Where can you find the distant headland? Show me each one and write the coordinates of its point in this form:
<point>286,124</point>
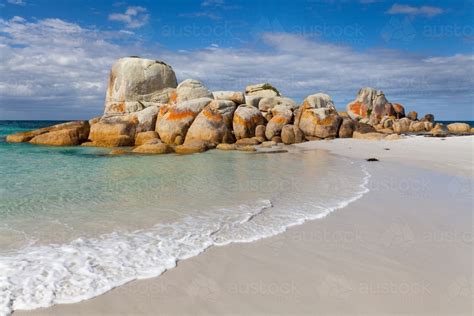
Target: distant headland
<point>145,107</point>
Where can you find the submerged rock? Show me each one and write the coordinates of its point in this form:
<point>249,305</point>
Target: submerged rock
<point>246,148</point>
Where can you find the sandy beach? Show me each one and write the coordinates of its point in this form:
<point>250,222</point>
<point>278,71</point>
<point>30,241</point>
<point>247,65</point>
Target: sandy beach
<point>403,248</point>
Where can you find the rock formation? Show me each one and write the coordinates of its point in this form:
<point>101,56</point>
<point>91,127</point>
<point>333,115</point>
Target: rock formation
<point>146,108</point>
<point>136,83</point>
<point>317,117</point>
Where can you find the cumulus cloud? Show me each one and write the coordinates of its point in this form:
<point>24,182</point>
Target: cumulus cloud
<point>412,10</point>
<point>52,68</point>
<point>55,69</point>
<point>134,17</point>
<point>17,2</point>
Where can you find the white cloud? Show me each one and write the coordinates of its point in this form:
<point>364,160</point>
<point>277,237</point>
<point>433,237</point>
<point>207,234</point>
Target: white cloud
<point>299,67</point>
<point>207,3</point>
<point>55,69</point>
<point>52,68</point>
<point>134,17</point>
<point>17,2</point>
<point>221,4</point>
<point>208,15</point>
<point>412,10</point>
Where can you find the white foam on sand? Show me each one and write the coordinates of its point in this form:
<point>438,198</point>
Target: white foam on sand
<point>40,276</point>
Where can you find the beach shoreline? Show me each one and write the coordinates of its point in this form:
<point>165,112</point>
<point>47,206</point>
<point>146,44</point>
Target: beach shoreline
<point>398,249</point>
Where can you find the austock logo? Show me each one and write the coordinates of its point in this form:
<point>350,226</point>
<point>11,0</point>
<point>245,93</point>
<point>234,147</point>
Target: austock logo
<point>398,30</point>
<point>203,287</point>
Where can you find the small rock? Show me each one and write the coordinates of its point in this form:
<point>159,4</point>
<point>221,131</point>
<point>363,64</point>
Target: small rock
<point>428,118</point>
<point>459,128</point>
<point>268,144</point>
<point>393,137</point>
<point>117,152</point>
<point>260,139</point>
<point>260,131</point>
<point>372,159</point>
<point>288,135</point>
<point>277,139</point>
<point>347,128</point>
<point>412,115</point>
<point>246,148</point>
<point>157,148</point>
<point>226,146</point>
<point>247,141</point>
<point>368,136</point>
<point>143,137</point>
<point>191,147</point>
<point>402,126</point>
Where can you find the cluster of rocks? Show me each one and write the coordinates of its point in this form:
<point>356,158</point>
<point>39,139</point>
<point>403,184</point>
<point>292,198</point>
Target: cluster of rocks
<point>145,107</point>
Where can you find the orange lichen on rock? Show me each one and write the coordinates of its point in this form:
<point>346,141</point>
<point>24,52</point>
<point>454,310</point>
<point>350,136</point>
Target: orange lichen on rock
<point>355,107</point>
<point>280,119</point>
<point>133,119</point>
<point>179,115</point>
<point>242,122</point>
<point>120,107</point>
<point>212,116</point>
<point>173,96</point>
<point>328,120</point>
<point>398,107</point>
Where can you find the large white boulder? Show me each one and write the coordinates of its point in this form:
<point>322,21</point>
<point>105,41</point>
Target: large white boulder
<point>136,83</point>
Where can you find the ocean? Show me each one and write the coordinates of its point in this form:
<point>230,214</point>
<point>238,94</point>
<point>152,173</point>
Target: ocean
<point>77,222</point>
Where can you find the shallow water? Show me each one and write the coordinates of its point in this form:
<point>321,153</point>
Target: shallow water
<point>76,222</point>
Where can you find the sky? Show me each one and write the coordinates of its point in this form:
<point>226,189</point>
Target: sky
<point>55,56</point>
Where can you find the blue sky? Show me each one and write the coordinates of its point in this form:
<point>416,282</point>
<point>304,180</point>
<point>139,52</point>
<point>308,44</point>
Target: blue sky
<point>55,55</point>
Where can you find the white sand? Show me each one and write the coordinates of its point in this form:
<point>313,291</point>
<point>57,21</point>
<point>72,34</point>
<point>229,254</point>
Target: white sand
<point>404,248</point>
<point>454,155</point>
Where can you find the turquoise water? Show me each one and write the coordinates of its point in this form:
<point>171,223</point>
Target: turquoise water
<point>76,222</point>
